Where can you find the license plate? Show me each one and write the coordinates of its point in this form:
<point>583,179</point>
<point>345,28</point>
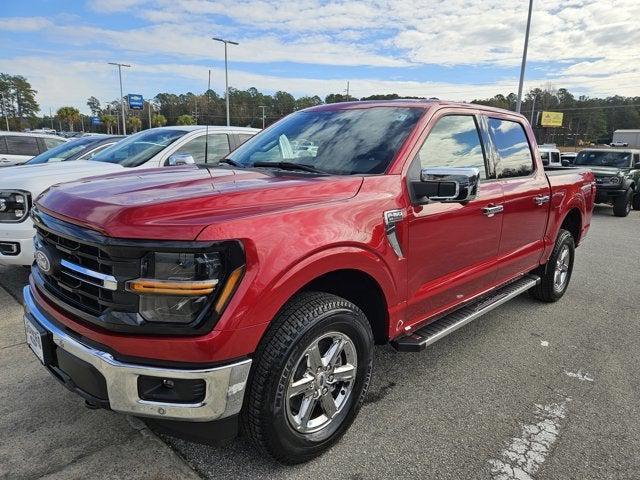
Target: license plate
<point>34,339</point>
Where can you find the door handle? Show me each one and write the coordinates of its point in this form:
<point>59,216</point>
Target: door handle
<point>541,199</point>
<point>491,210</point>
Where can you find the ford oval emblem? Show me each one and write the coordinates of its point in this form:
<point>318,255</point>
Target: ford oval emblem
<point>43,262</point>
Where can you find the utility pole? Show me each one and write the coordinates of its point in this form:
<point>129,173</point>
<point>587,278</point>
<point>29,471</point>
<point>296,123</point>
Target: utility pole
<point>226,72</point>
<point>124,122</point>
<point>4,112</point>
<point>524,57</point>
<point>149,112</point>
<point>347,90</point>
<point>263,116</point>
<point>51,118</point>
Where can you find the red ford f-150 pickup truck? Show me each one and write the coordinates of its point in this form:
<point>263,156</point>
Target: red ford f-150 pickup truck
<point>251,293</point>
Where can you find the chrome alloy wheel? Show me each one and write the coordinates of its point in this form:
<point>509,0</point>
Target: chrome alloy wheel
<point>321,382</point>
<point>561,273</point>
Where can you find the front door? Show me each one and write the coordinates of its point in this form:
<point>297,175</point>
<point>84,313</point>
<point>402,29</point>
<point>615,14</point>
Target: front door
<point>452,247</point>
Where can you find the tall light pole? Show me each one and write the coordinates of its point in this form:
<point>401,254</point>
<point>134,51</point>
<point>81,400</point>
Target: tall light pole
<point>120,65</point>
<point>524,57</point>
<point>226,73</point>
<point>263,117</point>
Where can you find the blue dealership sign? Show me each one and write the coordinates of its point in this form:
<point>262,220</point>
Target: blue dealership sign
<point>96,121</point>
<point>136,102</point>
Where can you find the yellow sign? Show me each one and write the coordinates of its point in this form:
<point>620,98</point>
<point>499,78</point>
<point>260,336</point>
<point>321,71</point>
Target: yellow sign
<point>551,119</point>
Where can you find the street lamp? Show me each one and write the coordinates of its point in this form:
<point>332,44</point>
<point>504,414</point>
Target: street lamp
<point>226,73</point>
<point>524,57</point>
<point>124,123</point>
<point>262,107</point>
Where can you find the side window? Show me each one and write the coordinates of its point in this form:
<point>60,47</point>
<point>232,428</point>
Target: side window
<point>636,159</point>
<point>19,145</point>
<point>453,142</point>
<point>515,159</point>
<point>51,142</point>
<point>555,156</point>
<point>217,148</point>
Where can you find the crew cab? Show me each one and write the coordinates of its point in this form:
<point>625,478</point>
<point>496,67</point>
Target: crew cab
<point>17,148</point>
<point>157,147</point>
<point>617,173</point>
<point>253,292</point>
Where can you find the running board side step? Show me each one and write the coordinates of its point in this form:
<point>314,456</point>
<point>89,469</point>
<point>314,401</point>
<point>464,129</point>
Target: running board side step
<point>431,333</point>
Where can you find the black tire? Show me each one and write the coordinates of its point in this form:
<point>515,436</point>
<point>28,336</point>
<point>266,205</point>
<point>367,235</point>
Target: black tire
<point>265,417</point>
<point>547,290</point>
<point>636,201</point>
<point>622,204</point>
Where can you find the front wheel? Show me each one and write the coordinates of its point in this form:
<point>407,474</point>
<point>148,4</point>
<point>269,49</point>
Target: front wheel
<point>556,273</point>
<point>309,378</point>
<point>636,201</point>
<point>622,204</point>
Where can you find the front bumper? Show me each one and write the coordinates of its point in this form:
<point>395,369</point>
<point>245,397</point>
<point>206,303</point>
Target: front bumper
<point>21,236</point>
<point>608,194</point>
<point>224,386</point>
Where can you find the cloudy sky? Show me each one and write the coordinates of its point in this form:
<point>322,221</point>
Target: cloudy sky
<point>454,49</point>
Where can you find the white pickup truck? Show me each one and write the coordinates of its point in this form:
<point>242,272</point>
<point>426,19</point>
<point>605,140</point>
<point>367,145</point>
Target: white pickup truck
<point>157,147</point>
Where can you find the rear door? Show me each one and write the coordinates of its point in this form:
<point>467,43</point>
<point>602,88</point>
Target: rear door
<point>526,199</point>
<point>452,247</point>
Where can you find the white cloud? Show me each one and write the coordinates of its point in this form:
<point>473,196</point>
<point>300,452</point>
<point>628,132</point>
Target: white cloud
<point>23,24</point>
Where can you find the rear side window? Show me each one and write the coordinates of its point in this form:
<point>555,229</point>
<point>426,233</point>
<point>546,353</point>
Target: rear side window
<point>514,154</point>
<point>453,142</point>
<point>19,145</point>
<point>243,137</point>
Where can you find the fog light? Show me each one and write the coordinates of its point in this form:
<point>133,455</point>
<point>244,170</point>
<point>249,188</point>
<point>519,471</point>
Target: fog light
<point>171,390</point>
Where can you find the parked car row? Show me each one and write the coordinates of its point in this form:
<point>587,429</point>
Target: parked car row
<point>251,288</point>
<point>17,148</point>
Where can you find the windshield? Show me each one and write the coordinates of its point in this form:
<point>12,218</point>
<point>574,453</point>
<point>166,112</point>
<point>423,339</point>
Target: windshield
<point>139,148</point>
<point>342,142</point>
<point>604,159</point>
<point>62,152</point>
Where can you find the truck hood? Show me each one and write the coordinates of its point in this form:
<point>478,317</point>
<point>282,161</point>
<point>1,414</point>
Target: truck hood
<point>37,178</point>
<point>607,171</point>
<point>177,203</point>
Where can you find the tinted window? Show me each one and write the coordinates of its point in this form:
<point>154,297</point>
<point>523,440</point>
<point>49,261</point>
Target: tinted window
<point>140,147</point>
<point>217,148</point>
<point>342,142</point>
<point>555,157</point>
<point>514,154</point>
<point>3,145</point>
<point>19,145</point>
<point>453,142</point>
<point>52,142</point>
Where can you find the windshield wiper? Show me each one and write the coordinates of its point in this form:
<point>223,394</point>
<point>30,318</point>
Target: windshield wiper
<point>230,161</point>
<point>290,166</point>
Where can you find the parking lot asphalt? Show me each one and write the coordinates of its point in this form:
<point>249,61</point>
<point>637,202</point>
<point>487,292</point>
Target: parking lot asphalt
<point>530,390</point>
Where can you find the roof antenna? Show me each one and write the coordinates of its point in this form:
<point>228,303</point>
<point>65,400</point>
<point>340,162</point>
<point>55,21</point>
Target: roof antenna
<point>206,130</point>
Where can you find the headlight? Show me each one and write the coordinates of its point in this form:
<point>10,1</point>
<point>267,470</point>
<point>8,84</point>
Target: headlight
<point>178,287</point>
<point>614,180</point>
<point>14,205</point>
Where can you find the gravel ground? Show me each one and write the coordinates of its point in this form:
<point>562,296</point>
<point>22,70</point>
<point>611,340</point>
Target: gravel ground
<point>531,390</point>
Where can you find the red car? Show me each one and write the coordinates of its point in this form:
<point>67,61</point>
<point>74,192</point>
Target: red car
<point>252,293</point>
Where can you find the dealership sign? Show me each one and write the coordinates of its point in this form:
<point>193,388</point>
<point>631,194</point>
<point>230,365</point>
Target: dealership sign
<point>136,102</point>
<point>551,119</point>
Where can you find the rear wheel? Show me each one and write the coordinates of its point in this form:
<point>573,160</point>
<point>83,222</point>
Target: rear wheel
<point>556,273</point>
<point>309,377</point>
<point>622,204</point>
<point>636,201</point>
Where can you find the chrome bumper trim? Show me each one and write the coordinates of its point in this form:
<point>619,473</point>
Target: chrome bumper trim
<point>225,385</point>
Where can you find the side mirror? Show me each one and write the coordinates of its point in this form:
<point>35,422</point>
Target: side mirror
<point>448,184</point>
<point>565,162</point>
<point>180,159</point>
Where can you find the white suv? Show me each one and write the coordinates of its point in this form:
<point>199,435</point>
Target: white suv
<point>157,147</point>
<point>17,148</point>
